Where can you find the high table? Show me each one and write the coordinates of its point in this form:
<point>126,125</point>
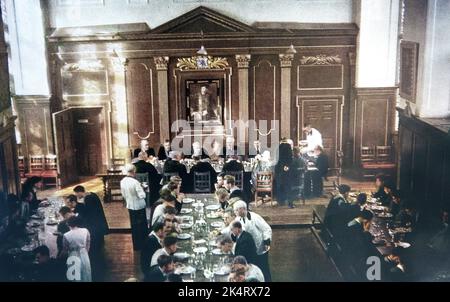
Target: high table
<point>199,258</point>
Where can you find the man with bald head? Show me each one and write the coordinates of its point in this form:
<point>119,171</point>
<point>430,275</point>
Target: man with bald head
<point>144,146</point>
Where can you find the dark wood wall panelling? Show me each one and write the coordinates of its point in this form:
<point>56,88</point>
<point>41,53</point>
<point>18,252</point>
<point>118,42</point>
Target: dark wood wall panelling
<point>374,118</point>
<point>325,87</point>
<point>264,92</point>
<point>322,96</point>
<point>142,101</point>
<point>35,125</point>
<point>424,165</point>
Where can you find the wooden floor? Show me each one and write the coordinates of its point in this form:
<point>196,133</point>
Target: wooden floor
<point>295,253</point>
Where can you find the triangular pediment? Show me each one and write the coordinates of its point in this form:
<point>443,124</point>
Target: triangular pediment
<point>202,19</point>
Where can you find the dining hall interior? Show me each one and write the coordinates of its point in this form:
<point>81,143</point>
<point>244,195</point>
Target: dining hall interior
<point>224,140</point>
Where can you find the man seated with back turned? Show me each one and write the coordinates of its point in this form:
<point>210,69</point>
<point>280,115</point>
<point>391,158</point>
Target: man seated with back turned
<point>144,147</point>
<point>337,211</point>
<point>233,165</point>
<point>174,166</point>
<point>154,179</point>
<point>164,150</point>
<point>200,166</point>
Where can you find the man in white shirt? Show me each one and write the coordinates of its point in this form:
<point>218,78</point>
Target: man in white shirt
<point>313,137</point>
<point>169,248</point>
<point>261,233</point>
<point>134,197</point>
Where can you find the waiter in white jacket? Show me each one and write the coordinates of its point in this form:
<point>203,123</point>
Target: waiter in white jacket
<point>134,196</point>
<point>313,137</point>
<point>261,233</point>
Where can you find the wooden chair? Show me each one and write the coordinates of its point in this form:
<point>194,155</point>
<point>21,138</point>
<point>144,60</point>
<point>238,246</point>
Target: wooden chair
<point>36,166</point>
<point>113,192</point>
<point>333,179</point>
<point>51,172</point>
<point>383,154</point>
<point>264,184</point>
<point>166,177</point>
<point>202,182</point>
<point>238,177</point>
<point>367,160</point>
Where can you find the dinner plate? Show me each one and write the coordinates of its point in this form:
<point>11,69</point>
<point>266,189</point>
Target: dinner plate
<point>181,255</point>
<point>43,204</point>
<point>188,200</point>
<point>200,250</point>
<point>52,222</point>
<point>185,225</point>
<point>213,207</point>
<point>186,270</point>
<point>184,236</point>
<point>385,215</point>
<point>185,219</point>
<point>27,248</point>
<point>224,270</point>
<point>198,204</point>
<point>36,217</point>
<point>33,224</point>
<point>212,243</point>
<point>217,224</point>
<point>404,245</point>
<point>212,215</point>
<point>199,241</point>
<point>217,252</point>
<point>185,211</point>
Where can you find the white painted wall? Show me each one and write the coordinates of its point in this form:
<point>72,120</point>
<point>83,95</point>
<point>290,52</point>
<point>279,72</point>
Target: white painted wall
<point>66,13</point>
<point>434,94</point>
<point>377,42</point>
<point>28,64</point>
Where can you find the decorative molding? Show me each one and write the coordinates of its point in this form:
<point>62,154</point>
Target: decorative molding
<point>84,65</point>
<point>161,63</point>
<point>243,61</point>
<point>202,62</point>
<point>352,58</point>
<point>286,60</point>
<point>320,60</point>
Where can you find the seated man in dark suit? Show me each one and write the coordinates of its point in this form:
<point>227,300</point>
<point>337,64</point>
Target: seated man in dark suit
<point>352,210</point>
<point>336,214</point>
<point>245,244</point>
<point>144,147</point>
<point>154,179</point>
<point>159,273</point>
<point>201,167</point>
<point>379,185</point>
<point>164,150</point>
<point>151,244</point>
<point>174,166</point>
<point>357,245</point>
<point>321,161</point>
<point>47,269</point>
<point>230,185</point>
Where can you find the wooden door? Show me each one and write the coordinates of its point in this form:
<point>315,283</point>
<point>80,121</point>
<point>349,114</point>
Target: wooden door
<point>324,114</point>
<point>65,146</point>
<point>88,143</point>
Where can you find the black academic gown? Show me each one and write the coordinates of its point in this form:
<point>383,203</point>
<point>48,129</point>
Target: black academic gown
<point>162,154</point>
<point>174,166</point>
<point>154,179</point>
<point>95,219</point>
<point>245,246</point>
<point>151,245</point>
<point>155,275</point>
<point>233,166</point>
